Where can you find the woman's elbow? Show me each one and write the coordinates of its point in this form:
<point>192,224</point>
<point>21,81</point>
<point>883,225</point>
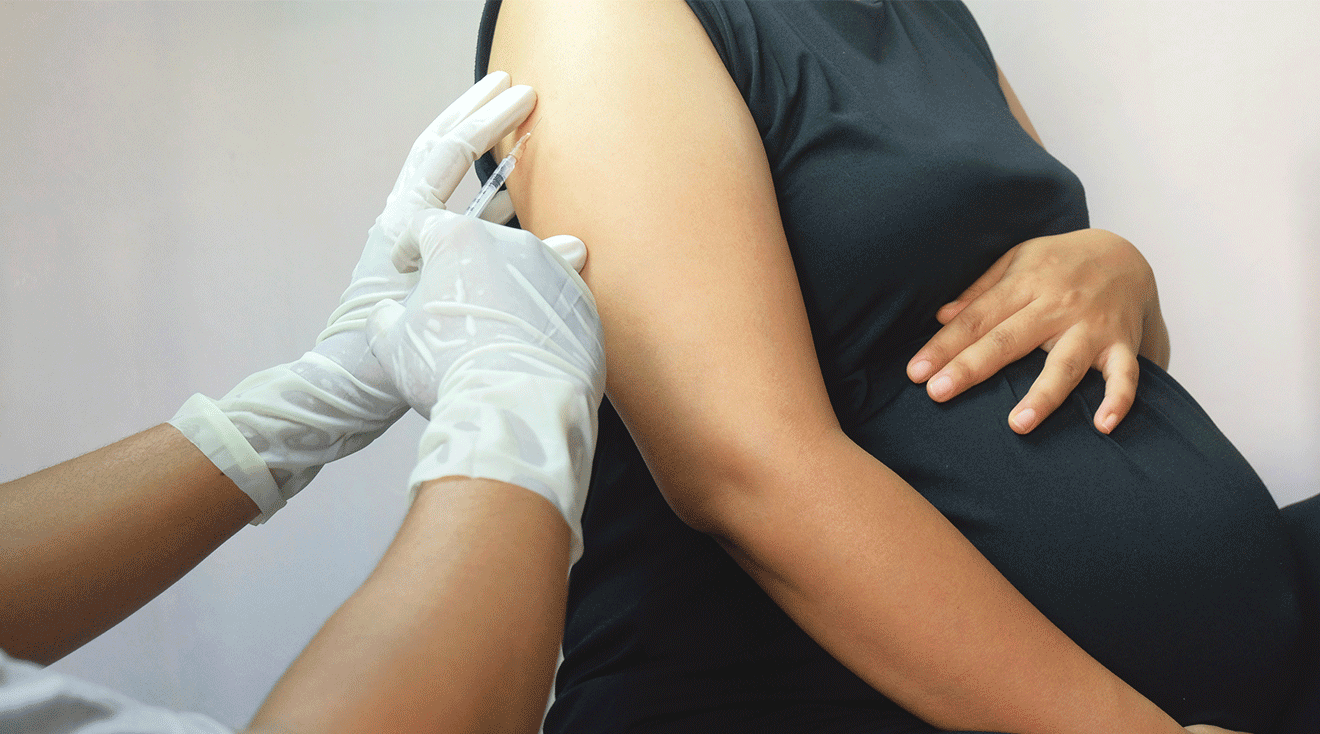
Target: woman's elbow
<point>725,486</point>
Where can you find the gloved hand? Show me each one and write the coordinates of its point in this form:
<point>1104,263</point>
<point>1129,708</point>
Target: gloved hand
<point>272,433</point>
<point>499,345</point>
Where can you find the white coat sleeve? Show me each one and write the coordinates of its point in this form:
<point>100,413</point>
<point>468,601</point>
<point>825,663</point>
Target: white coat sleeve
<point>36,700</point>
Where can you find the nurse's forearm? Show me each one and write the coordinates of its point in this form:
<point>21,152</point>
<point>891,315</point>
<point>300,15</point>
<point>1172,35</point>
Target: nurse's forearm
<point>890,588</point>
<point>85,543</point>
<point>457,630</point>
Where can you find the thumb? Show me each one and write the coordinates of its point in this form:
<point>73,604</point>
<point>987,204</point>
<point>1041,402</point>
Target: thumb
<point>570,248</point>
<point>407,254</point>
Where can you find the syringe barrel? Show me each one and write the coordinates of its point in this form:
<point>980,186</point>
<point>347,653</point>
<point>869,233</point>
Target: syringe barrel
<point>492,187</point>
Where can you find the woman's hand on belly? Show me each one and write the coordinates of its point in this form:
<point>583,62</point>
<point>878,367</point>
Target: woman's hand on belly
<point>1087,297</point>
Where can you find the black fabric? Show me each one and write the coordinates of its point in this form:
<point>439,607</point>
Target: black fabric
<point>901,176</point>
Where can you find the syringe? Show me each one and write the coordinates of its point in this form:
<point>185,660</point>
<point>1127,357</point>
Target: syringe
<point>496,179</point>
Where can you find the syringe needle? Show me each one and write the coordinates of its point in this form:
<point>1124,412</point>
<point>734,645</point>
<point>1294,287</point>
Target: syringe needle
<point>497,178</point>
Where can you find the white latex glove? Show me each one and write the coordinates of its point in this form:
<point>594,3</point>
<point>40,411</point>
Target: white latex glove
<point>272,433</point>
<point>499,345</point>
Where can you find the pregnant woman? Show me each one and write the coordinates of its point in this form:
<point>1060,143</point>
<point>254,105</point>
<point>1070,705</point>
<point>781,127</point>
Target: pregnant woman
<point>785,532</point>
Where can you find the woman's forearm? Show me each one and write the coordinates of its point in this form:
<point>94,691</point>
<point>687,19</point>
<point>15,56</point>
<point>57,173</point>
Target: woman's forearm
<point>457,629</point>
<point>887,585</point>
<point>85,543</point>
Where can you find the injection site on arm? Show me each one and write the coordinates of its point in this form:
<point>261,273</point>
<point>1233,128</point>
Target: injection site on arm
<point>497,179</point>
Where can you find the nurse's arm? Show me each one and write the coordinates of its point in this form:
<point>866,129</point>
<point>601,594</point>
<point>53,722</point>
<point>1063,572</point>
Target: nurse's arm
<point>646,150</point>
<point>456,630</point>
<point>85,543</point>
<point>433,640</point>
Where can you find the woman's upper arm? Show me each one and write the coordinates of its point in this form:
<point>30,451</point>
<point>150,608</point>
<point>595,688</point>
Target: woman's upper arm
<point>1016,108</point>
<point>645,149</point>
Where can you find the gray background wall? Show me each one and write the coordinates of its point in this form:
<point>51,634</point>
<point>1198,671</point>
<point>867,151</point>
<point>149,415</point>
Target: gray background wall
<point>184,189</point>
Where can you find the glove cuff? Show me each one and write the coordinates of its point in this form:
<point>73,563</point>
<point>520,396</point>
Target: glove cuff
<point>202,422</point>
<point>532,431</point>
<point>274,431</point>
<point>305,414</point>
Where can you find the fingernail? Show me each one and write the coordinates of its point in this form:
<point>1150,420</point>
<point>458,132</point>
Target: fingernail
<point>1025,420</point>
<point>921,370</point>
<point>1109,422</point>
<point>941,386</point>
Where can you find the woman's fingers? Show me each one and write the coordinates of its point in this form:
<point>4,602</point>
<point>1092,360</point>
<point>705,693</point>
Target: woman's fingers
<point>1005,341</point>
<point>1065,366</point>
<point>1121,370</point>
<point>974,321</point>
<point>1089,292</point>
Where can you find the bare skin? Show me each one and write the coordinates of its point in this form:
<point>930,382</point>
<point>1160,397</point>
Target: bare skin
<point>706,331</point>
<point>456,630</point>
<point>1086,297</point>
<point>85,543</point>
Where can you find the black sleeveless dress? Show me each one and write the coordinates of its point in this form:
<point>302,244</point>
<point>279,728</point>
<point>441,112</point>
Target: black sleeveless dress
<point>901,176</point>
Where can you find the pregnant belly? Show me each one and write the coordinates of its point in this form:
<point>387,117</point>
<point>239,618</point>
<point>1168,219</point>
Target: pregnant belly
<point>1157,549</point>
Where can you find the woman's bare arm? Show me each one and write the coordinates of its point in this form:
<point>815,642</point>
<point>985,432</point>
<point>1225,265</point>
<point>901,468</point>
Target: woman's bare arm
<point>1015,107</point>
<point>646,150</point>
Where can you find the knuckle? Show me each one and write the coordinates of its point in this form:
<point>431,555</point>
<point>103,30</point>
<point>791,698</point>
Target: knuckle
<point>1070,299</point>
<point>936,349</point>
<point>971,368</point>
<point>1004,341</point>
<point>965,372</point>
<point>972,321</point>
<point>1073,365</point>
<point>1047,394</point>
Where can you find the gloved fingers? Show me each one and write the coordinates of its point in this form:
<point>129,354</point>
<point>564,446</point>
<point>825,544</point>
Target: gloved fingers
<point>470,101</point>
<point>570,248</point>
<point>489,252</point>
<point>500,209</point>
<point>421,240</point>
<point>454,154</point>
<point>407,252</point>
<point>405,355</point>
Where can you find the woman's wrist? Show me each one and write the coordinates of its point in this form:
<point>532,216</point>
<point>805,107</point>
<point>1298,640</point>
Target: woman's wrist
<point>1155,337</point>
